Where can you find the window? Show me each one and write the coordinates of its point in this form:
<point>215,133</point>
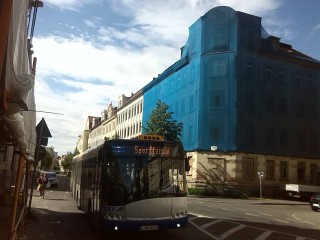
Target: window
<point>216,131</point>
<point>248,168</point>
<point>312,110</point>
<point>300,110</point>
<point>283,106</point>
<point>269,136</point>
<point>301,140</point>
<point>183,105</point>
<point>249,135</point>
<point>270,104</point>
<point>217,170</point>
<point>250,40</point>
<point>267,75</point>
<point>298,80</point>
<point>283,138</point>
<point>301,171</point>
<point>248,73</point>
<point>250,102</point>
<point>217,99</point>
<point>310,83</point>
<point>282,78</point>
<point>313,141</point>
<point>191,103</point>
<point>313,173</point>
<point>270,169</point>
<point>190,134</point>
<point>283,170</point>
<point>219,68</point>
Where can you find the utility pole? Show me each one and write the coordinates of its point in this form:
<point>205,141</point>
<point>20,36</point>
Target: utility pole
<point>260,174</point>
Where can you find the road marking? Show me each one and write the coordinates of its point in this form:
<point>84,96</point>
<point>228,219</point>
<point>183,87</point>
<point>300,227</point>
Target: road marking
<point>294,220</point>
<point>210,224</point>
<point>204,231</point>
<point>309,223</point>
<point>198,216</point>
<point>227,209</point>
<point>280,220</point>
<point>231,231</point>
<point>294,216</point>
<point>264,235</point>
<point>241,209</point>
<point>266,214</point>
<point>252,214</point>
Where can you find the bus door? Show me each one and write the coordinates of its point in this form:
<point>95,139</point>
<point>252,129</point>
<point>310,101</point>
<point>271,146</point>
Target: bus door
<point>96,194</point>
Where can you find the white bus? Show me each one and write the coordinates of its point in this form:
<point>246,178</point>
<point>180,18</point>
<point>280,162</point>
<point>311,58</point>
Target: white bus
<point>132,184</point>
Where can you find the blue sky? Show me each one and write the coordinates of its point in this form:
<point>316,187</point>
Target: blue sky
<point>89,52</point>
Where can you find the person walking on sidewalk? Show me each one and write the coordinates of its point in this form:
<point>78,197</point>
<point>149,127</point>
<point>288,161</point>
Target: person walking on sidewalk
<point>42,181</point>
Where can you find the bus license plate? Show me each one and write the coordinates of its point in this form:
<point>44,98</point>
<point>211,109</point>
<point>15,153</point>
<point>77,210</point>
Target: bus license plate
<point>149,228</point>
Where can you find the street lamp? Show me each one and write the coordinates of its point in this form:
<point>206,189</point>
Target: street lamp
<point>260,174</point>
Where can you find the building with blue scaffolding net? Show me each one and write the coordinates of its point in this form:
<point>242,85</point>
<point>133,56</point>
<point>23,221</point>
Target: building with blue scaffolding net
<point>248,102</point>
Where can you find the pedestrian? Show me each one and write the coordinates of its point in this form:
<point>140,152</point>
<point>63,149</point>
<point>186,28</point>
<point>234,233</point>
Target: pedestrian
<point>42,181</point>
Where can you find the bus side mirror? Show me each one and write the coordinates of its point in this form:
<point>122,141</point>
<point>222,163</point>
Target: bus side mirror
<point>186,164</point>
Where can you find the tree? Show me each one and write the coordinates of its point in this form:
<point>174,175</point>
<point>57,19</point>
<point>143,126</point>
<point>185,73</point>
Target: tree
<point>66,163</point>
<point>160,122</point>
<point>47,161</point>
<point>75,152</point>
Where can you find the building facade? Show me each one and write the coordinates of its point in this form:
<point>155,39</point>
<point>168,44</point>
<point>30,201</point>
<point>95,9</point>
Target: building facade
<point>250,98</point>
<point>129,115</point>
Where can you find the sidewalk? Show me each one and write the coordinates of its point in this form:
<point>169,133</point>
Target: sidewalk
<point>37,226</point>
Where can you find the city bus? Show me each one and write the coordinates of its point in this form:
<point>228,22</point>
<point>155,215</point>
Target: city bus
<point>132,184</point>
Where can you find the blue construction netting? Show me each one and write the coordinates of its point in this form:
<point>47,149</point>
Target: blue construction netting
<point>235,88</point>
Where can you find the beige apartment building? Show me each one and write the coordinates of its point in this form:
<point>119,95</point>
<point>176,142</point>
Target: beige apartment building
<point>123,121</point>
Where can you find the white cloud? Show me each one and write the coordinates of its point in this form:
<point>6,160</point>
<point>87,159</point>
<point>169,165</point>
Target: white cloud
<point>316,28</point>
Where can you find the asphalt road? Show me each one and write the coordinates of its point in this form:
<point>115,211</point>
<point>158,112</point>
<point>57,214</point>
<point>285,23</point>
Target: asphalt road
<point>209,218</point>
<point>254,219</point>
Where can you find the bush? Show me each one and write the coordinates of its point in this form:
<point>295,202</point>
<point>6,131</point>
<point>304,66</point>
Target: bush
<point>195,191</point>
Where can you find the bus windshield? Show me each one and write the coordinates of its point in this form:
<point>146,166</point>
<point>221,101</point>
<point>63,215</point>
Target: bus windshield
<point>131,179</point>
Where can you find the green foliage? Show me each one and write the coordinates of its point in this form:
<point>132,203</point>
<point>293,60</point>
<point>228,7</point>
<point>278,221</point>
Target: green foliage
<point>56,165</point>
<point>75,152</point>
<point>46,161</point>
<point>66,163</point>
<point>160,122</point>
<point>195,191</point>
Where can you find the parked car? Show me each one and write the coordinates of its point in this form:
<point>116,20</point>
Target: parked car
<point>315,202</point>
<point>52,179</point>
